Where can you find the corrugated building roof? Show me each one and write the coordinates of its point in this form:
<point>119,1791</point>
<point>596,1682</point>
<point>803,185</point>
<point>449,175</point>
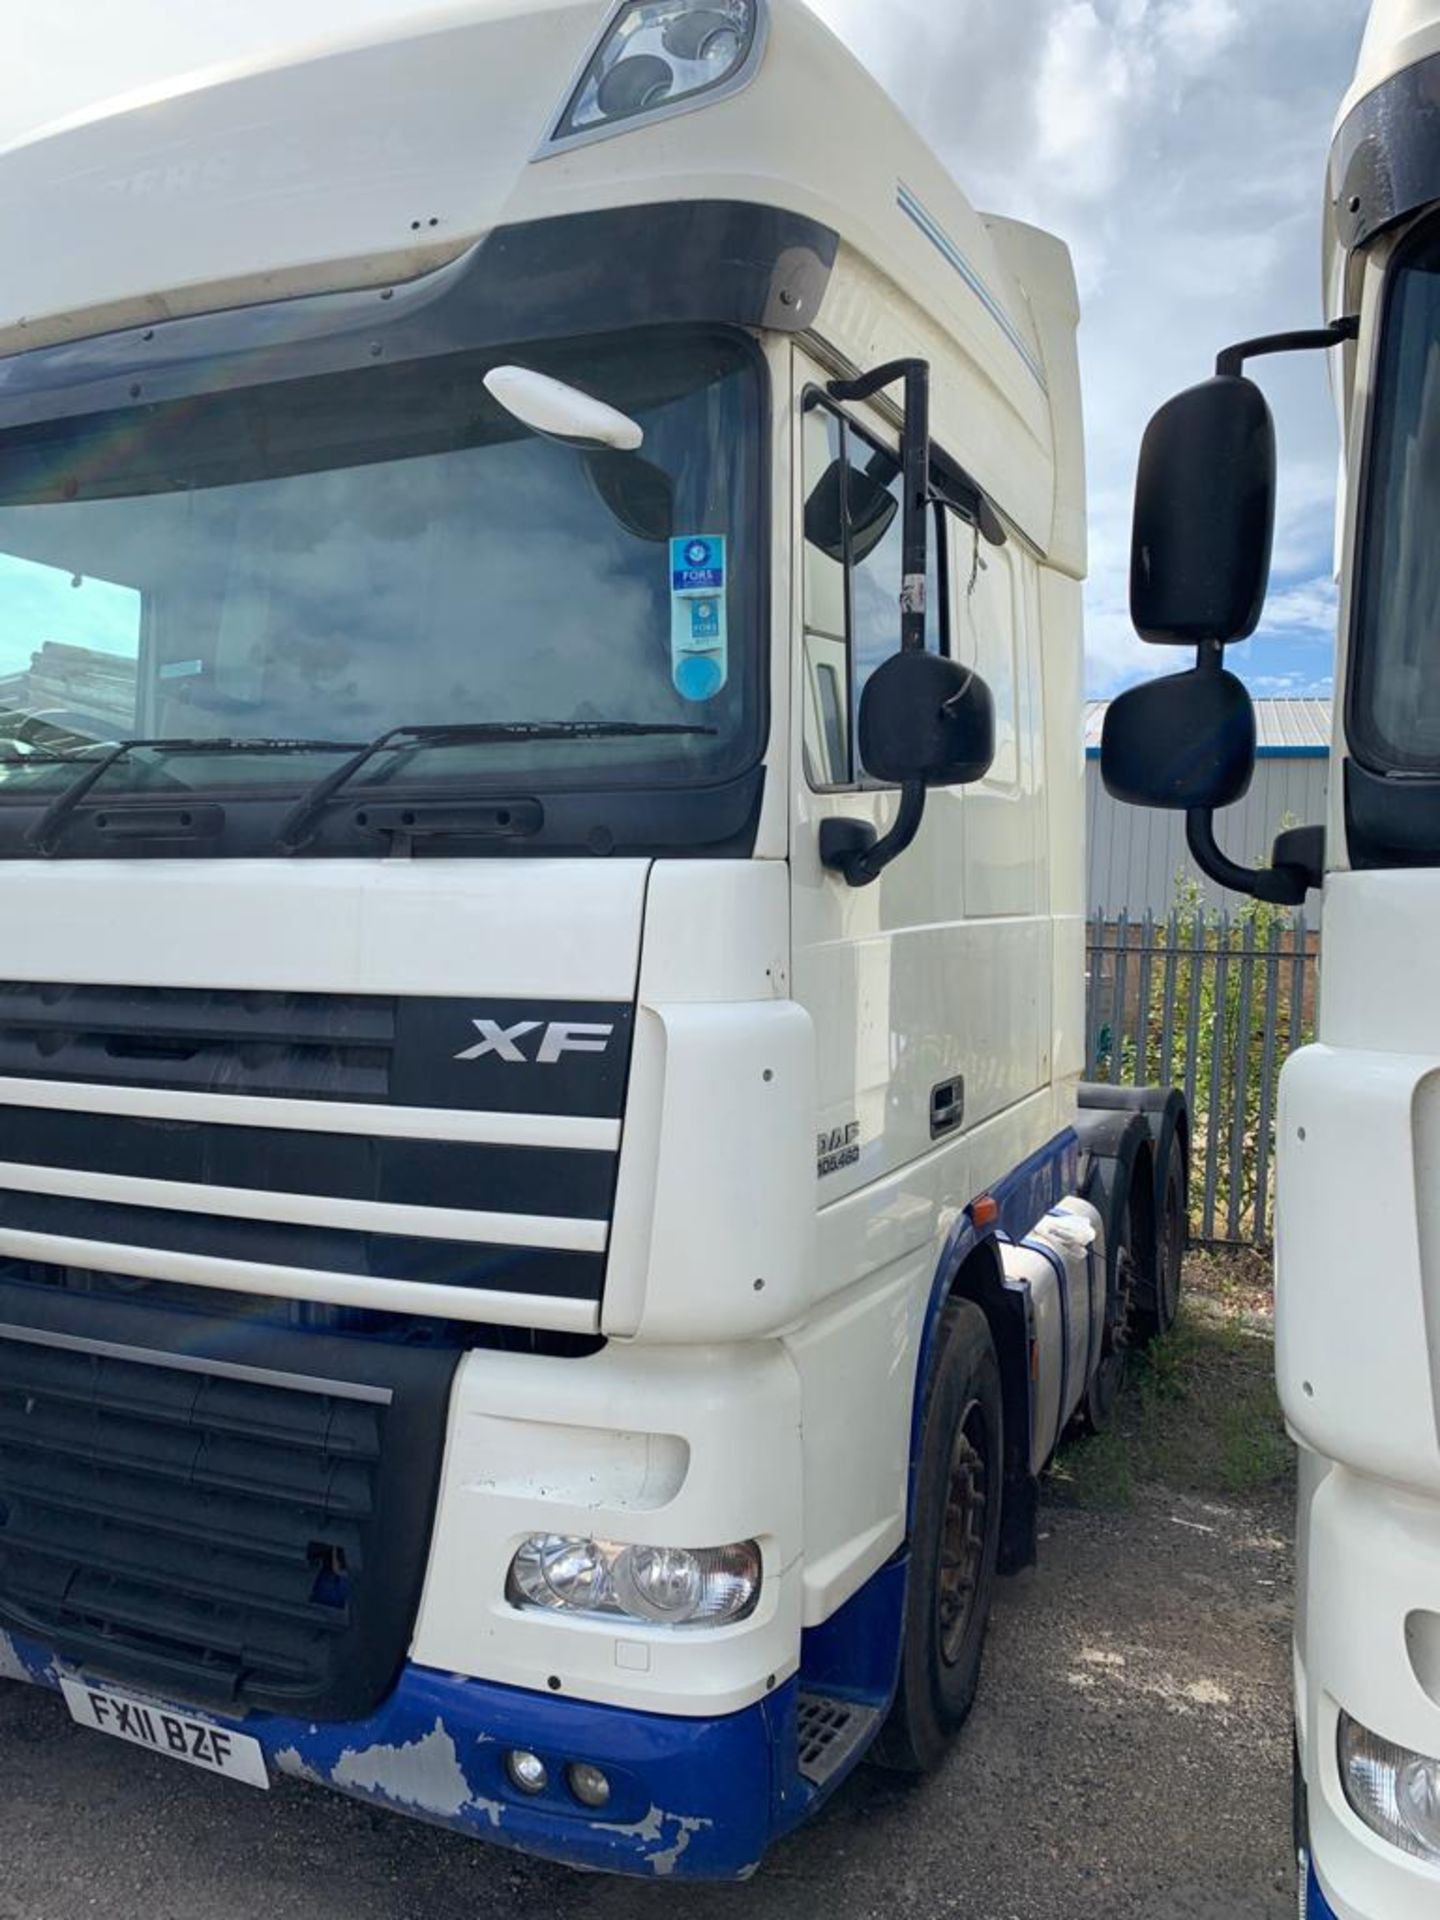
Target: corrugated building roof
<point>1300,727</point>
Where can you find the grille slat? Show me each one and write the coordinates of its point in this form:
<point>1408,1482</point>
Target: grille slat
<point>182,1398</point>
<point>272,1588</point>
<point>215,1536</point>
<point>295,1045</point>
<point>181,1457</point>
<point>189,1013</point>
<point>215,1518</point>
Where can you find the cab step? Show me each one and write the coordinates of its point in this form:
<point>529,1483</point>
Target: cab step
<point>831,1733</point>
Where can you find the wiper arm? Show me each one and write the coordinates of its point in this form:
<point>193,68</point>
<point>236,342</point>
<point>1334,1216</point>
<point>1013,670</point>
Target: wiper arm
<point>298,828</point>
<point>46,834</point>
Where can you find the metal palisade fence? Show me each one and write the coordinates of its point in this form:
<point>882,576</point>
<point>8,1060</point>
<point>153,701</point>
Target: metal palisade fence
<point>1214,1004</point>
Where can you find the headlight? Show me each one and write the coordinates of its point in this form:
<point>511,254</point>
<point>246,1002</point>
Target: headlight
<point>661,55</point>
<point>657,1586</point>
<point>1394,1791</point>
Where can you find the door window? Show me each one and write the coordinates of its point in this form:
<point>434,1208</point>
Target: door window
<point>854,553</point>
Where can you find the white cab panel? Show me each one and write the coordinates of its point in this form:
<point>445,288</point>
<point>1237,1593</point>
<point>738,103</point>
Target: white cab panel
<point>857,1444</point>
<point>513,929</point>
<point>1377,984</point>
<point>715,1215</point>
<point>1358,1281</point>
<point>698,1447</point>
<point>1368,1644</point>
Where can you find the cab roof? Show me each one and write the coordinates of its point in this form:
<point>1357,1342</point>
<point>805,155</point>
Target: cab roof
<point>367,161</point>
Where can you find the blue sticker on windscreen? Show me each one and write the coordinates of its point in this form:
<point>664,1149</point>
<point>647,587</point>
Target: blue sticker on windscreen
<point>699,623</point>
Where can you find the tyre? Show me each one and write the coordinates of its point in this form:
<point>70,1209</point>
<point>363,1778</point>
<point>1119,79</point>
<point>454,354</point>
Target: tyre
<point>1172,1228</point>
<point>954,1546</point>
<point>1102,1396</point>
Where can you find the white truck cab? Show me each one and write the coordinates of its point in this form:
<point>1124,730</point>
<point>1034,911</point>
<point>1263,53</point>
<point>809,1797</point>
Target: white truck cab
<point>1358,1257</point>
<point>548,1220</point>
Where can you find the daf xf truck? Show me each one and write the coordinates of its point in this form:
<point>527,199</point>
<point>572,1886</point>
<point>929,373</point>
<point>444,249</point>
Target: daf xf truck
<point>548,1220</point>
<point>1358,1213</point>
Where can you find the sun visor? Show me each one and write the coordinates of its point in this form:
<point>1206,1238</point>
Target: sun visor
<point>347,166</point>
<point>1385,163</point>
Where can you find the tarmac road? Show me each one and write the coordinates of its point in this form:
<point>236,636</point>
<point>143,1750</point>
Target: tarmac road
<point>1129,1755</point>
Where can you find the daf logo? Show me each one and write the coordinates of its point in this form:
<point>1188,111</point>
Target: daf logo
<point>560,1037</point>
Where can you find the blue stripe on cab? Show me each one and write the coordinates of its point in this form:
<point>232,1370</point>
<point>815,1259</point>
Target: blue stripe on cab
<point>940,239</point>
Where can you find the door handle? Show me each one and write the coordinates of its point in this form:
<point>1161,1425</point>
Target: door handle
<point>947,1107</point>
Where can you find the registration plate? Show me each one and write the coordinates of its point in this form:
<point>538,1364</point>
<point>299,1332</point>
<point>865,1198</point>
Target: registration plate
<point>177,1735</point>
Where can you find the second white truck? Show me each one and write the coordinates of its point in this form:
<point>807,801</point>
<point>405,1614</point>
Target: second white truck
<point>1358,1241</point>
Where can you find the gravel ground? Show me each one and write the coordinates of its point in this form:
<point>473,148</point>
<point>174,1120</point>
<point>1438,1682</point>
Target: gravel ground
<point>1129,1755</point>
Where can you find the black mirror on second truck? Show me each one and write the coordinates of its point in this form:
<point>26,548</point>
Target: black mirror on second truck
<point>1199,573</point>
<point>1204,517</point>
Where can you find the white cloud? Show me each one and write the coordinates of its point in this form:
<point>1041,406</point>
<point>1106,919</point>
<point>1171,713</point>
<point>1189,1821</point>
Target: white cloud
<point>1087,74</point>
<point>1179,146</point>
<point>1194,32</point>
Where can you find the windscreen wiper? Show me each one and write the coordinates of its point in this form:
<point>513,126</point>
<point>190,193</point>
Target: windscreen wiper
<point>298,828</point>
<point>48,830</point>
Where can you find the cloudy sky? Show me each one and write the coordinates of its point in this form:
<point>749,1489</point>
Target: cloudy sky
<point>1178,145</point>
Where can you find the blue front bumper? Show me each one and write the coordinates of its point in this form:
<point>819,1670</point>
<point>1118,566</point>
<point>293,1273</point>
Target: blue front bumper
<point>699,1799</point>
<point>1317,1907</point>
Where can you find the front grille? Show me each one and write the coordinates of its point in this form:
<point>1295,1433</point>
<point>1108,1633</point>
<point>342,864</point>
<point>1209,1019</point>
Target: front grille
<point>241,1532</point>
<point>367,1049</point>
<point>296,1046</point>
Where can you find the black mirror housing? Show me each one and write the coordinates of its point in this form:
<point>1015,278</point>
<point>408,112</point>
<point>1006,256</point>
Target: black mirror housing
<point>846,496</point>
<point>929,720</point>
<point>639,495</point>
<point>1205,516</point>
<point>1183,743</point>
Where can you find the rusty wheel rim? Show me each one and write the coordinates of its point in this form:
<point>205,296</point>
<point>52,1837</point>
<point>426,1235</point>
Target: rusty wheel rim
<point>962,1534</point>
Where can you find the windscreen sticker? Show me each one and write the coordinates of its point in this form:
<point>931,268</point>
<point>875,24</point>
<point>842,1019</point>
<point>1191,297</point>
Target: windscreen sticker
<point>699,623</point>
<point>181,669</point>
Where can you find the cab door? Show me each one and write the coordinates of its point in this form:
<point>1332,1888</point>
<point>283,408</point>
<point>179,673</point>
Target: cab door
<point>927,1020</point>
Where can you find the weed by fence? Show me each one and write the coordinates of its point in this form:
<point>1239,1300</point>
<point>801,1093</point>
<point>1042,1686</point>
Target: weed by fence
<point>1214,1004</point>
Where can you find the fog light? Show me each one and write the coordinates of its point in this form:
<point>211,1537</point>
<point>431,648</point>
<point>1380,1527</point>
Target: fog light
<point>589,1785</point>
<point>1394,1791</point>
<point>527,1771</point>
<point>662,54</point>
<point>657,1586</point>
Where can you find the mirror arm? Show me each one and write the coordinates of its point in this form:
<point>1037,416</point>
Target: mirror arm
<point>916,451</point>
<point>1282,886</point>
<point>862,864</point>
<point>1231,363</point>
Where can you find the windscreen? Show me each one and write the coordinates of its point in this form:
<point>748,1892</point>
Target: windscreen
<point>298,568</point>
<point>1395,672</point>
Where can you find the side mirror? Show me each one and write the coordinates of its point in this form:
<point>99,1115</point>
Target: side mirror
<point>1204,516</point>
<point>845,492</point>
<point>1188,744</point>
<point>928,720</point>
<point>639,495</point>
<point>559,412</point>
<point>1182,743</point>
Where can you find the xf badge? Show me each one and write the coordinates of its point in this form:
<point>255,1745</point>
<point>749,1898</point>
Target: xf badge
<point>559,1038</point>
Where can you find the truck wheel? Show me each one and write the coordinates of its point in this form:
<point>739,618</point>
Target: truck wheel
<point>1172,1228</point>
<point>954,1546</point>
<point>1097,1409</point>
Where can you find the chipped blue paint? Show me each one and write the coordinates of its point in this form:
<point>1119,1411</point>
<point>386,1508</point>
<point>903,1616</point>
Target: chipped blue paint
<point>690,1799</point>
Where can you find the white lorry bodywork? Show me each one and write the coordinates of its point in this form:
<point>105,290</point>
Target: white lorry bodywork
<point>735,1348</point>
